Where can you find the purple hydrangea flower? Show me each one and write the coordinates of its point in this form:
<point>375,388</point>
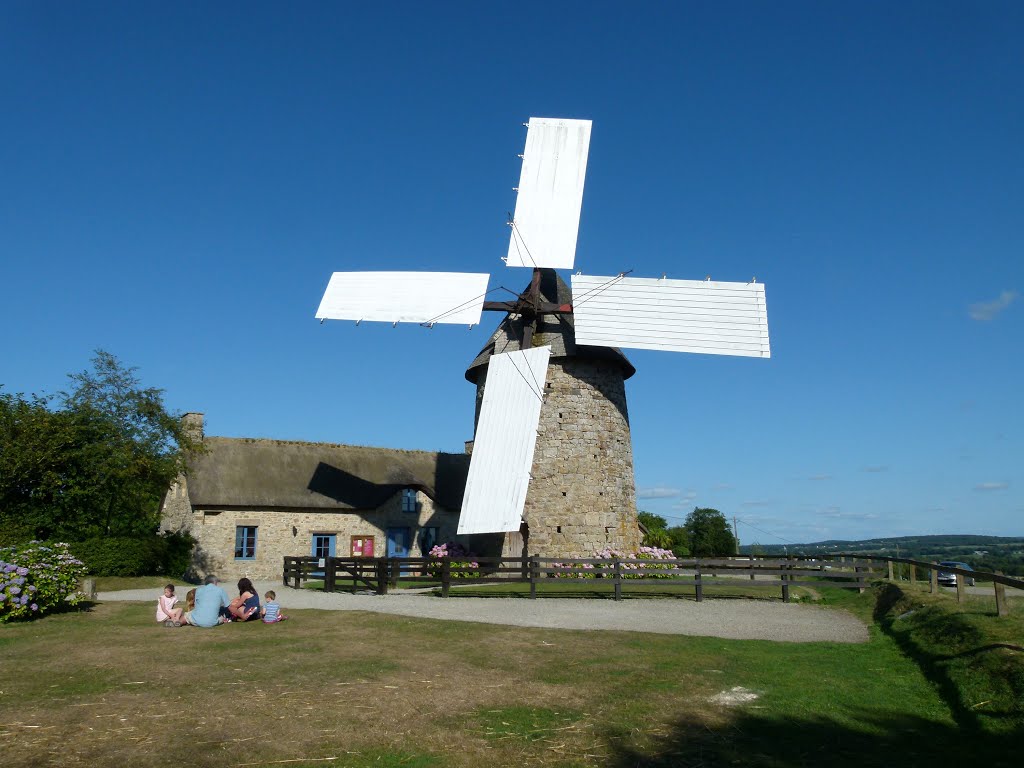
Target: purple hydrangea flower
<point>23,571</point>
<point>15,590</point>
<point>24,599</point>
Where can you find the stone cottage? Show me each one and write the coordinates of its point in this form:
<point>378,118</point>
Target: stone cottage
<point>250,502</point>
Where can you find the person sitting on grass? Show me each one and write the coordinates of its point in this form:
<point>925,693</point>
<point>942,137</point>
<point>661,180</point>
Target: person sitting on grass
<point>210,598</point>
<point>165,610</point>
<point>190,600</point>
<point>245,607</point>
<point>271,610</point>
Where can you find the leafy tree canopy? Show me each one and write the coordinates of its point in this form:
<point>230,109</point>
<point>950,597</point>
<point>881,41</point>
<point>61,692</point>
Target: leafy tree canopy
<point>651,521</point>
<point>661,536</point>
<point>709,534</point>
<point>97,465</point>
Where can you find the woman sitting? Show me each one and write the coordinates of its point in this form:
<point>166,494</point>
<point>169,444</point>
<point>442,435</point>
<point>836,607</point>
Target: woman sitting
<point>245,607</point>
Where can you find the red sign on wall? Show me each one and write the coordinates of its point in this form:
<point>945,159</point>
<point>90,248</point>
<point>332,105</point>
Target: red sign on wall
<point>362,546</point>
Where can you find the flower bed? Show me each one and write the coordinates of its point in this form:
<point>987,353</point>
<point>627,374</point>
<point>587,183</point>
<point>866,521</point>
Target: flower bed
<point>461,558</point>
<point>629,570</point>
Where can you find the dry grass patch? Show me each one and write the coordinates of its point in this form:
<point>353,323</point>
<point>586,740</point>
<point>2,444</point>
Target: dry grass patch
<point>337,688</point>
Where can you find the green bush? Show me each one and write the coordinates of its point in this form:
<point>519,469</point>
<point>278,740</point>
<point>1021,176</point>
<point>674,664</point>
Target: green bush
<point>164,555</point>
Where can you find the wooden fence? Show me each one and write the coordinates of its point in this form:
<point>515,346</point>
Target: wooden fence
<point>380,574</point>
<point>894,572</point>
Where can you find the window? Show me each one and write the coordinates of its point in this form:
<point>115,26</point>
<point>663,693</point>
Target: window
<point>245,542</point>
<point>323,545</point>
<point>409,500</point>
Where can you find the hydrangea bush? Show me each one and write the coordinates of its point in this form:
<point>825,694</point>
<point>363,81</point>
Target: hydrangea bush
<point>629,570</point>
<point>36,577</point>
<point>460,556</point>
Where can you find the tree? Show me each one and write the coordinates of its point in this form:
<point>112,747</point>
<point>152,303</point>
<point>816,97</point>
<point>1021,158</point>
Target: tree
<point>679,541</point>
<point>99,465</point>
<point>709,533</point>
<point>661,536</point>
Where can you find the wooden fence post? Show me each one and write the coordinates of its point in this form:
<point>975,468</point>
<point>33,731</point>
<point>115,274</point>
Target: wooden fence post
<point>382,575</point>
<point>860,579</point>
<point>933,580</point>
<point>698,587</point>
<point>328,574</point>
<point>534,575</point>
<point>446,575</point>
<point>785,582</point>
<point>913,574</point>
<point>1002,607</point>
<point>618,579</point>
<point>960,587</point>
<point>889,563</point>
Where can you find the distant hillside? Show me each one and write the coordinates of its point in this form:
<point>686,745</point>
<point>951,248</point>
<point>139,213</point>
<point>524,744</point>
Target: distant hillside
<point>986,553</point>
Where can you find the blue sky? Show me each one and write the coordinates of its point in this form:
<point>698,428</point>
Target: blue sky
<point>178,181</point>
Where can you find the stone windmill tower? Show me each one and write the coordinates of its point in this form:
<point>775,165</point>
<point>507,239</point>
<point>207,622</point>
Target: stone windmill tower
<point>582,495</point>
<point>552,465</point>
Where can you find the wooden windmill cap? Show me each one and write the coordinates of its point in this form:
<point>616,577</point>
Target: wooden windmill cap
<point>554,329</point>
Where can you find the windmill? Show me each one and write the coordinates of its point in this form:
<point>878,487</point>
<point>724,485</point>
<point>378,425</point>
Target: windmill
<point>552,458</point>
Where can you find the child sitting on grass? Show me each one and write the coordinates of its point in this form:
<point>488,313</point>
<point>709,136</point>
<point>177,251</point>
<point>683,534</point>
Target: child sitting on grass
<point>271,610</point>
<point>165,610</point>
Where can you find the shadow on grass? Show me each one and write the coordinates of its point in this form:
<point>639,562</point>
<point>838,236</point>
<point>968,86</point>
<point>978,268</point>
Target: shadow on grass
<point>925,635</point>
<point>886,739</point>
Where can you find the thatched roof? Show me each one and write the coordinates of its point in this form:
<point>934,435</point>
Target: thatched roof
<point>557,330</point>
<point>243,472</point>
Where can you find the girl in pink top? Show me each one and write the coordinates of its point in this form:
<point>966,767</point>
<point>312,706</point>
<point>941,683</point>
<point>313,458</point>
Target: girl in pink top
<point>165,610</point>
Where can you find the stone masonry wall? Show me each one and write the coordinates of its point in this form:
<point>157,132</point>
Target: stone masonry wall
<point>290,532</point>
<point>582,495</point>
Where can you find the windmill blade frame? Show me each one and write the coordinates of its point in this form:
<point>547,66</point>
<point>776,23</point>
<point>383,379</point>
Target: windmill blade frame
<point>503,448</point>
<point>700,316</point>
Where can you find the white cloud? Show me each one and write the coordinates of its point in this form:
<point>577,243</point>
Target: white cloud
<point>755,503</point>
<point>686,501</point>
<point>877,468</point>
<point>820,477</point>
<point>657,492</point>
<point>991,486</point>
<point>722,487</point>
<point>987,310</point>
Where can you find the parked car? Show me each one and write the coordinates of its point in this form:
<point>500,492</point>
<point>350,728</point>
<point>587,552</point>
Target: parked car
<point>949,579</point>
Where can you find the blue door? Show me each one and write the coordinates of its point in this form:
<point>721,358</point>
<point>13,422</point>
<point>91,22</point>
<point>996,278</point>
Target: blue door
<point>323,547</point>
<point>398,542</point>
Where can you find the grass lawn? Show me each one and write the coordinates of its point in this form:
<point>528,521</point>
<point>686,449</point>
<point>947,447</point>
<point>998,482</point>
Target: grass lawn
<point>110,686</point>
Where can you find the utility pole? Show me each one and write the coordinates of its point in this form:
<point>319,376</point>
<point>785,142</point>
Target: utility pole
<point>735,534</point>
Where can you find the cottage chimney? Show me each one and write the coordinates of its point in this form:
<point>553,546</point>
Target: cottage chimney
<point>193,424</point>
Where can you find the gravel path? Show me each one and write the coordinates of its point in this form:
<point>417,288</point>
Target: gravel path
<point>732,619</point>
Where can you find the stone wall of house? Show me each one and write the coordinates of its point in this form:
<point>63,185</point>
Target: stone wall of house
<point>176,512</point>
<point>582,495</point>
<point>290,532</point>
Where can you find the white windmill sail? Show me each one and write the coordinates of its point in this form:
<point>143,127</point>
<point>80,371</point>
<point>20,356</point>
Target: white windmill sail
<point>405,297</point>
<point>506,433</point>
<point>547,217</point>
<point>674,315</point>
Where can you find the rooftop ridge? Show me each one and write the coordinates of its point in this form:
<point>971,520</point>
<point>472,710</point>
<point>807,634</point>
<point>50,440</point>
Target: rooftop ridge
<point>324,444</point>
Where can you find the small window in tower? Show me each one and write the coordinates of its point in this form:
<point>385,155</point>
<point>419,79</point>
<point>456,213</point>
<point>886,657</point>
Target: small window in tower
<point>563,493</point>
<point>558,529</point>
